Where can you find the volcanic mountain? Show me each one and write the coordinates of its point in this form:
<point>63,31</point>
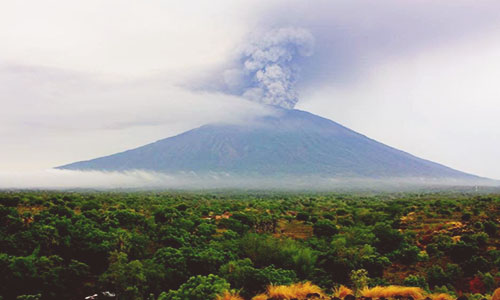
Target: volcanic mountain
<point>291,142</point>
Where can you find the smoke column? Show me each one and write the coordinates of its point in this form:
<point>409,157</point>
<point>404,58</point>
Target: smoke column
<point>268,69</point>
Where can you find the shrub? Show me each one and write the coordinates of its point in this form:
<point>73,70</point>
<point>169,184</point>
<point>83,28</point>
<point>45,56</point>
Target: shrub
<point>297,291</point>
<point>441,296</point>
<point>260,297</point>
<point>342,291</point>
<point>476,286</point>
<point>416,280</point>
<point>229,296</point>
<point>392,291</point>
<point>359,279</point>
<point>496,295</point>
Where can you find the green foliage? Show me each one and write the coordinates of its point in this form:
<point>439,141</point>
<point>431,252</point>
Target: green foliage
<point>388,239</point>
<point>416,280</point>
<point>266,250</point>
<point>454,273</point>
<point>461,252</point>
<point>466,216</point>
<point>242,274</point>
<point>408,255</point>
<point>143,245</point>
<point>303,260</point>
<point>436,276</point>
<point>359,279</point>
<point>302,216</point>
<point>325,228</point>
<point>488,280</point>
<point>198,288</point>
<point>490,228</point>
<point>125,277</point>
<point>423,256</point>
<point>444,290</point>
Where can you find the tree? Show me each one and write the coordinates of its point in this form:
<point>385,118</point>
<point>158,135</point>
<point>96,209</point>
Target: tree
<point>388,239</point>
<point>375,264</point>
<point>304,261</point>
<point>454,272</point>
<point>126,278</point>
<point>461,252</point>
<point>241,274</point>
<point>198,288</point>
<point>302,216</point>
<point>466,216</point>
<point>475,264</point>
<point>167,269</point>
<point>436,276</point>
<point>490,228</point>
<point>325,228</point>
<point>408,255</point>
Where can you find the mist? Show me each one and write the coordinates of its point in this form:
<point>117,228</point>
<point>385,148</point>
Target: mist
<point>54,179</point>
<point>58,116</point>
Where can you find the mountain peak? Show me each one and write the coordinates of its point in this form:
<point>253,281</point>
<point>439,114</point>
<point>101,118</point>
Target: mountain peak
<point>290,142</point>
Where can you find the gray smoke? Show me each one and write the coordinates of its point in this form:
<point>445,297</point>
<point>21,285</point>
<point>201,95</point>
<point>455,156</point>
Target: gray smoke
<point>268,69</point>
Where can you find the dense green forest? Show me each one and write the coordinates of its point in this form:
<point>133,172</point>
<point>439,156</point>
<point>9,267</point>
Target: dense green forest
<point>196,245</point>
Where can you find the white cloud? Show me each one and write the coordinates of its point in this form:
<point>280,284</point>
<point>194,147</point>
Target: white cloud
<point>126,38</point>
<point>58,117</point>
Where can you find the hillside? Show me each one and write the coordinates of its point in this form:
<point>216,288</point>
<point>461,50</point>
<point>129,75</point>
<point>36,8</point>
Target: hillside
<point>292,142</point>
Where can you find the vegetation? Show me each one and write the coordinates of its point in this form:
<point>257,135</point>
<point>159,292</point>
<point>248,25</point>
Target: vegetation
<point>232,245</point>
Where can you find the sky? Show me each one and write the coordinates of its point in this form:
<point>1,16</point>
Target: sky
<point>83,79</point>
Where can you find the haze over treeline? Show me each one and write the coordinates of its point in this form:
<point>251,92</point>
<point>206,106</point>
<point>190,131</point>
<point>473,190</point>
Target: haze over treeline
<point>143,180</point>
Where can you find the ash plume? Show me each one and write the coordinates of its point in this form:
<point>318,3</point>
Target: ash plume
<point>268,68</point>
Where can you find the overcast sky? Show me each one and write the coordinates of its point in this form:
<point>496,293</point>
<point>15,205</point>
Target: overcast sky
<point>82,79</point>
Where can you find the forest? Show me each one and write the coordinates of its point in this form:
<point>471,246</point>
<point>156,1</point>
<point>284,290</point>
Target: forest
<point>207,245</point>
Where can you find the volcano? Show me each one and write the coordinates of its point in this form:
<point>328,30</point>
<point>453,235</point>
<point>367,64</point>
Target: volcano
<point>290,142</point>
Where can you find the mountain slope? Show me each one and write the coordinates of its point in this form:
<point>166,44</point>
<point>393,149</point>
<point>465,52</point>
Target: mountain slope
<point>293,142</point>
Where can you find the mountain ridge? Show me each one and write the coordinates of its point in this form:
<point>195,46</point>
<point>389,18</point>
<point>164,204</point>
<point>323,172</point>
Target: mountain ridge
<point>292,142</point>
